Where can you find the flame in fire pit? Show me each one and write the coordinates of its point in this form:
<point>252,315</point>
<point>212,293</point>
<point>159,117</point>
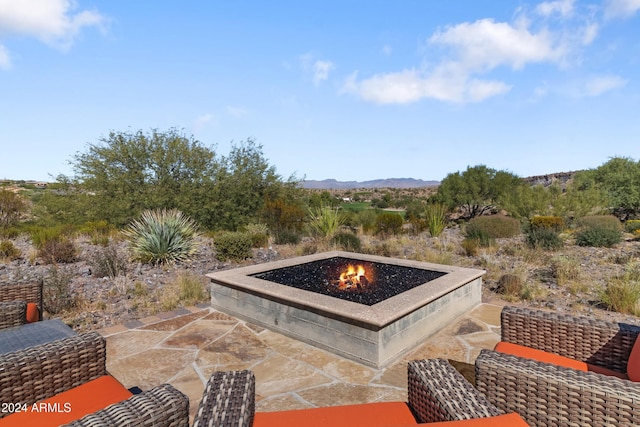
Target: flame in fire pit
<point>354,277</point>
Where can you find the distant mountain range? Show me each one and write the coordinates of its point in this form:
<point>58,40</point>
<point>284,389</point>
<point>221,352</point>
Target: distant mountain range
<point>332,184</point>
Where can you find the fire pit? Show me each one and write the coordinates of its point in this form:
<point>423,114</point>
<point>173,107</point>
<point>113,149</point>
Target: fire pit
<point>368,308</point>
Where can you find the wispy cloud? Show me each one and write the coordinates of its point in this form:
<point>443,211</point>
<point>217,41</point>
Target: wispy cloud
<point>321,70</point>
<point>318,68</point>
<point>204,120</point>
<point>387,50</point>
<point>237,112</point>
<point>598,85</point>
<point>621,8</point>
<point>5,59</point>
<point>54,22</point>
<point>560,7</point>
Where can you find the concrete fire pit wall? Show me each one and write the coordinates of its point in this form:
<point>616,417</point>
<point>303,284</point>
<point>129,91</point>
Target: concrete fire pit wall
<point>374,335</point>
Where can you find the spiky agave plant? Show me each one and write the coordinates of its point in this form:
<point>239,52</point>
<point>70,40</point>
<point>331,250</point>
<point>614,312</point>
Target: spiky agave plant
<point>162,236</point>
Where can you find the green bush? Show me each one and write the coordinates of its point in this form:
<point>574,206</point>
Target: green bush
<point>622,294</point>
<point>495,227</point>
<point>9,251</point>
<point>555,223</point>
<point>470,246</point>
<point>162,236</point>
<point>40,235</point>
<point>599,231</point>
<point>58,250</point>
<point>388,223</point>
<point>98,231</point>
<point>544,238</point>
<point>347,241</point>
<point>632,225</point>
<point>287,237</point>
<point>480,236</point>
<point>366,219</point>
<point>259,234</point>
<point>233,245</point>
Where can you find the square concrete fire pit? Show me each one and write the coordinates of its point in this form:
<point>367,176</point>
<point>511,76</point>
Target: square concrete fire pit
<point>373,333</point>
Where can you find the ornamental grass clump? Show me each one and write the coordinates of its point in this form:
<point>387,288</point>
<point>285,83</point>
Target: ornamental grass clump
<point>163,237</point>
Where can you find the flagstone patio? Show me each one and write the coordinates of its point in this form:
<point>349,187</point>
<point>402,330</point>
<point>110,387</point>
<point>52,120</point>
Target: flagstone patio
<point>185,346</point>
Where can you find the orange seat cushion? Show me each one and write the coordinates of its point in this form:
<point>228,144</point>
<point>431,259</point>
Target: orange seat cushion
<point>381,414</point>
<point>554,359</point>
<point>507,420</point>
<point>70,405</point>
<point>633,365</point>
<point>33,314</point>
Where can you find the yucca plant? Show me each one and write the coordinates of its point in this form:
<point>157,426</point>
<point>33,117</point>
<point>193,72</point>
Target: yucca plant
<point>162,236</point>
<point>325,221</point>
<point>436,214</point>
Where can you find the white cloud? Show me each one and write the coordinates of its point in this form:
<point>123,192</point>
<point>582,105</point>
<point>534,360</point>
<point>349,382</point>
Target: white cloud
<point>599,85</point>
<point>204,120</point>
<point>621,8</point>
<point>5,60</point>
<point>475,48</point>
<point>321,71</point>
<point>562,7</point>
<point>237,112</point>
<point>54,22</point>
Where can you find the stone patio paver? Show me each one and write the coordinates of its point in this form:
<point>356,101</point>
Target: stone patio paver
<point>185,347</point>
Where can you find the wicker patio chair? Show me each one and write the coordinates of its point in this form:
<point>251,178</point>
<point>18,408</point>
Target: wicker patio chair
<point>549,395</point>
<point>437,392</point>
<point>27,292</point>
<point>12,313</point>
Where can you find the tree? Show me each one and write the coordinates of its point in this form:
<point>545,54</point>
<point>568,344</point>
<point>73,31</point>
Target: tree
<point>244,181</point>
<point>619,180</point>
<point>476,190</point>
<point>128,173</point>
<point>12,207</point>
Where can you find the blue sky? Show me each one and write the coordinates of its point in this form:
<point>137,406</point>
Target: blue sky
<point>351,90</point>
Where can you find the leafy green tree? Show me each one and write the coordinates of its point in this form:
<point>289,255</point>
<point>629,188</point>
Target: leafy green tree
<point>12,207</point>
<point>127,173</point>
<point>244,181</point>
<point>477,190</point>
<point>619,180</point>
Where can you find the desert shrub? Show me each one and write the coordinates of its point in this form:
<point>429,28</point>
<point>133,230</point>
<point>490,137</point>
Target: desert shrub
<point>9,251</point>
<point>388,223</point>
<point>325,221</point>
<point>232,245</point>
<point>98,231</point>
<point>544,238</point>
<point>108,261</point>
<point>58,250</point>
<point>162,236</point>
<point>495,226</point>
<point>56,289</point>
<point>287,237</point>
<point>436,216</point>
<point>599,231</point>
<point>565,269</point>
<point>12,208</point>
<point>366,219</point>
<point>622,294</point>
<point>555,223</point>
<point>470,246</point>
<point>40,235</point>
<point>632,226</point>
<point>192,289</point>
<point>347,241</point>
<point>509,285</point>
<point>259,234</point>
<point>9,232</point>
<point>480,236</point>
